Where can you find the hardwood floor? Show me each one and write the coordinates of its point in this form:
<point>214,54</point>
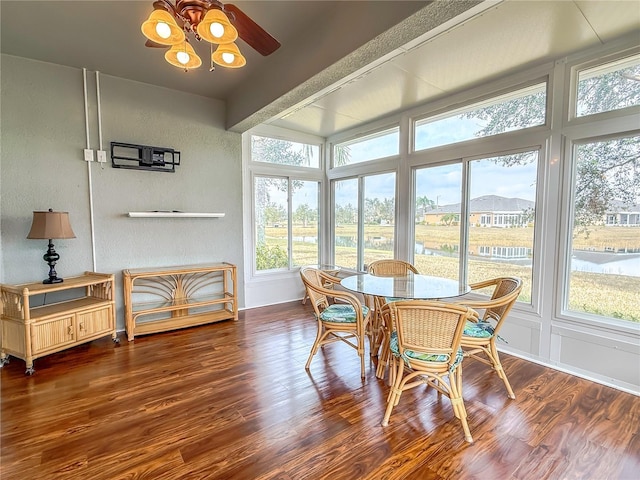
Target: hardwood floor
<point>232,400</point>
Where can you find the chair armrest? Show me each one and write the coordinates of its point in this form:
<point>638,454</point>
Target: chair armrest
<point>327,278</point>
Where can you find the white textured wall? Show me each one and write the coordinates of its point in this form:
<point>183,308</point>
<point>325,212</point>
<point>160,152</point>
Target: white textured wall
<point>41,166</point>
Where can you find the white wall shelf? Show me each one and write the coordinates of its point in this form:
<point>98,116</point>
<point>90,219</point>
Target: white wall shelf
<point>174,214</point>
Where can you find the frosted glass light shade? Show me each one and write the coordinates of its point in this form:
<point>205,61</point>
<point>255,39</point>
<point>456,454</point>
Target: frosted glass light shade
<point>157,23</point>
<point>228,55</point>
<point>212,23</point>
<point>183,56</point>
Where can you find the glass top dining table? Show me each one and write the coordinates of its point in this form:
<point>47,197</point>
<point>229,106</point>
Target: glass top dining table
<point>411,286</point>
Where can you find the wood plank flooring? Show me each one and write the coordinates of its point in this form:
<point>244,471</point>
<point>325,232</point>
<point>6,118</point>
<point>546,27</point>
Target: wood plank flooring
<point>233,400</point>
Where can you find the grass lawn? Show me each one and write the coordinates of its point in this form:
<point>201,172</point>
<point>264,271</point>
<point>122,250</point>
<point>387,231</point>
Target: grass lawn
<point>607,295</point>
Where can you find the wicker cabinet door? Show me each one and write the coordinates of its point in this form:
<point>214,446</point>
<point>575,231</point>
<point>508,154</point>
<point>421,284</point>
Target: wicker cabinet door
<point>93,323</point>
<point>50,335</point>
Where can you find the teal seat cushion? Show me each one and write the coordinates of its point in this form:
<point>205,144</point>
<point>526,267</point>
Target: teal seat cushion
<point>393,299</point>
<point>425,357</point>
<point>478,330</point>
<point>341,313</point>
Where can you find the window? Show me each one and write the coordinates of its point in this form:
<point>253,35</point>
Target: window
<point>378,145</point>
<point>364,220</point>
<point>608,87</point>
<point>285,179</point>
<point>285,238</point>
<point>517,110</point>
<point>284,152</point>
<point>502,190</point>
<point>379,216</point>
<point>437,229</point>
<point>346,220</point>
<point>500,213</point>
<point>604,263</point>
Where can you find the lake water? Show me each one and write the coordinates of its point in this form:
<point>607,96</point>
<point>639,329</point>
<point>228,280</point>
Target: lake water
<point>609,263</point>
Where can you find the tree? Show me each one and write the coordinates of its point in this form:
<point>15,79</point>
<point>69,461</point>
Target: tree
<point>275,214</point>
<point>305,215</point>
<point>422,204</point>
<point>274,150</point>
<point>341,155</point>
<point>449,218</point>
<point>606,172</point>
<point>346,214</point>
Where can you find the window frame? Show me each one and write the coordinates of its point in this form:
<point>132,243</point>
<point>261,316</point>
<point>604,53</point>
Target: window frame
<point>377,133</point>
<point>562,312</point>
<point>360,241</point>
<point>541,206</point>
<point>478,103</point>
<point>571,89</point>
<point>291,173</point>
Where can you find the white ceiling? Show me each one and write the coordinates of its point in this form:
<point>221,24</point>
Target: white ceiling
<point>327,46</point>
<point>505,38</point>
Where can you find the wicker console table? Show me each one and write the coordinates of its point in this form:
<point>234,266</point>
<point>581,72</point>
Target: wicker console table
<point>161,299</point>
<point>32,329</point>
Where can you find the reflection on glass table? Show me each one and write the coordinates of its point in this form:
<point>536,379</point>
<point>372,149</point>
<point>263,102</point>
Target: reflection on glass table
<point>411,286</point>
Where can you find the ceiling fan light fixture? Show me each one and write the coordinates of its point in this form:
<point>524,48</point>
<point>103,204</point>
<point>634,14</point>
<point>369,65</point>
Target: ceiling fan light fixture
<point>162,28</point>
<point>183,56</point>
<point>216,28</point>
<point>228,55</point>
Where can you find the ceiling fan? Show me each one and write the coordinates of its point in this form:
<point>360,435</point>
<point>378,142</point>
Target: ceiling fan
<point>211,20</point>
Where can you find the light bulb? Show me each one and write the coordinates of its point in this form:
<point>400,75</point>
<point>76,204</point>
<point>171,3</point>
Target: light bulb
<point>183,57</point>
<point>217,29</point>
<point>228,57</point>
<point>163,30</point>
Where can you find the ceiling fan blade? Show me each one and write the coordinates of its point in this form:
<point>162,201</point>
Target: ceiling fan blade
<point>151,43</point>
<point>252,33</point>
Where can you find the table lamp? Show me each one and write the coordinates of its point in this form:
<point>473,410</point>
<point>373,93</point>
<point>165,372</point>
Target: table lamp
<point>50,225</point>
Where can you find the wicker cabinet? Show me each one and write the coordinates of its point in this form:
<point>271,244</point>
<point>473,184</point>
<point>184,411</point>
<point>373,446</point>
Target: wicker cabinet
<point>29,332</point>
<point>161,299</point>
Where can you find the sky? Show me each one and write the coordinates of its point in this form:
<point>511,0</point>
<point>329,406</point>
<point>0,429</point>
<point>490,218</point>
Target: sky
<point>443,185</point>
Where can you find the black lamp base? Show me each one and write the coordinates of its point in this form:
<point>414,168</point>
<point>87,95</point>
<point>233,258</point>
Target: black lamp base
<point>51,257</point>
<point>50,280</point>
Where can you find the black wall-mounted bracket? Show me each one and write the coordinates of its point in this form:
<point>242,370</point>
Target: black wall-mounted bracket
<point>144,157</point>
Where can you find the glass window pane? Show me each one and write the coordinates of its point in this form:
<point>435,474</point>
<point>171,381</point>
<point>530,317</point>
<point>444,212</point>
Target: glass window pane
<point>379,216</point>
<point>501,211</point>
<point>284,152</point>
<point>609,87</point>
<point>272,230</point>
<point>379,145</point>
<point>514,111</point>
<point>605,246</point>
<point>437,229</point>
<point>304,207</point>
<point>346,223</point>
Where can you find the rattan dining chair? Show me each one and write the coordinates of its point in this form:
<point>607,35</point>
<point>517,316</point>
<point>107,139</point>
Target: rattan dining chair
<point>384,267</point>
<point>425,346</point>
<point>480,335</point>
<point>345,320</point>
<point>390,267</point>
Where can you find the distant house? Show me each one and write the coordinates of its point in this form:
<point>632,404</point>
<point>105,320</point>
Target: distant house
<point>485,211</point>
<point>620,215</point>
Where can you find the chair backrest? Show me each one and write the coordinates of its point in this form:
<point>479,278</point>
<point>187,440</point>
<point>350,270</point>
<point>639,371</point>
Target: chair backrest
<point>391,267</point>
<point>505,293</point>
<point>315,289</point>
<point>315,280</point>
<point>429,327</point>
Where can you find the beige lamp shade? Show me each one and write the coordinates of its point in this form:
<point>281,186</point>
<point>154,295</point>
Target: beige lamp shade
<point>216,28</point>
<point>183,56</point>
<point>162,28</point>
<point>228,55</point>
<point>49,225</point>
